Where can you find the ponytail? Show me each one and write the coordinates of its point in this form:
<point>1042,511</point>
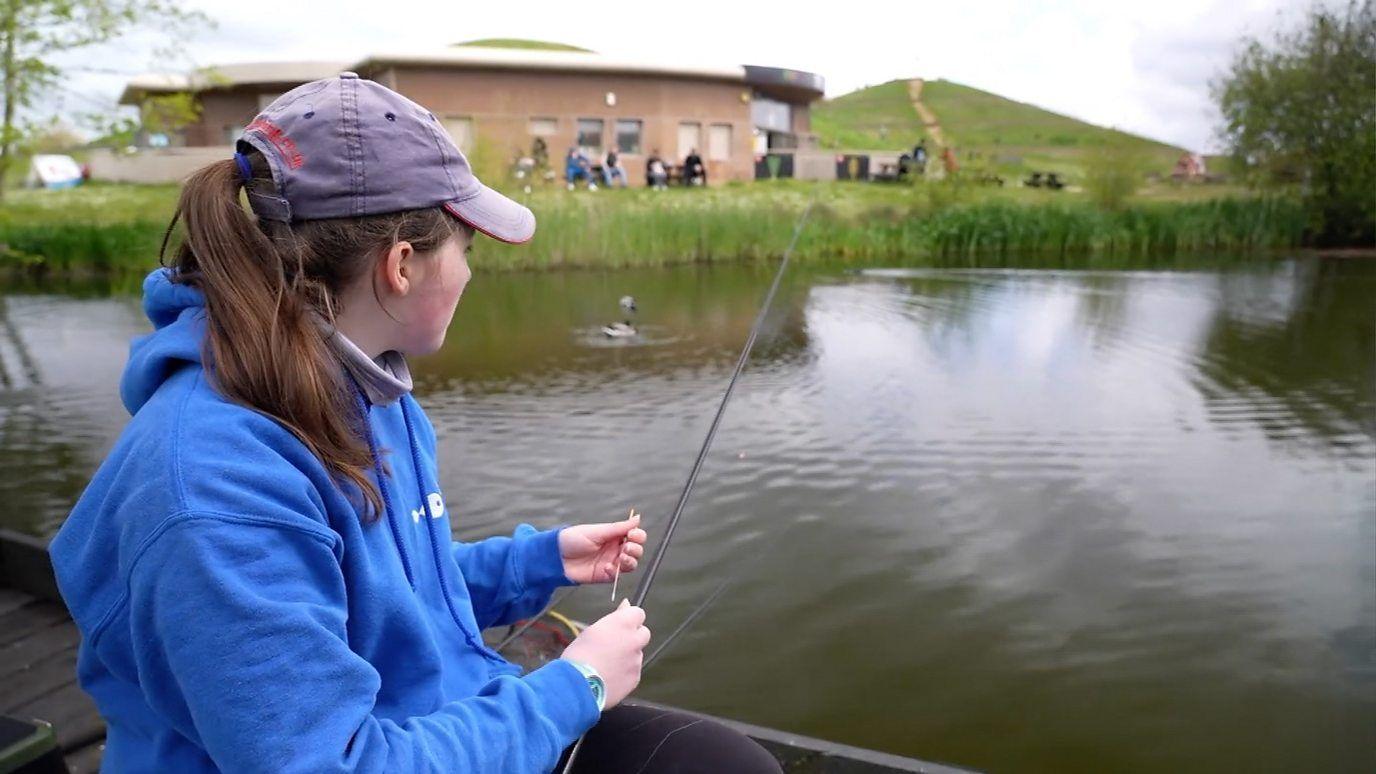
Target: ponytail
<point>266,284</point>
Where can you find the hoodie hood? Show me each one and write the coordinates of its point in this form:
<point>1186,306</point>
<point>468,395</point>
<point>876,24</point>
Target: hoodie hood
<point>178,316</point>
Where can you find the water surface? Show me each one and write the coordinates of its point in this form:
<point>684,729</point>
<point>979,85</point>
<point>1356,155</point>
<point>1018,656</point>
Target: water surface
<point>1018,520</point>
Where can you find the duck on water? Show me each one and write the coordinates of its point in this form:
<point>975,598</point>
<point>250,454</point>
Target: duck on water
<point>625,328</point>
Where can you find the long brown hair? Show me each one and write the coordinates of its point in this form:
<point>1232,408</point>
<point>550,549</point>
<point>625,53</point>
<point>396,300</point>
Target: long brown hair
<point>264,281</point>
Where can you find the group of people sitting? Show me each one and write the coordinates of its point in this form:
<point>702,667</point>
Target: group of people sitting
<point>577,168</point>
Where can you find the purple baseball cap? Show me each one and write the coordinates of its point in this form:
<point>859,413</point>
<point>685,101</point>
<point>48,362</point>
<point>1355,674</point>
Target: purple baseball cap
<point>344,147</point>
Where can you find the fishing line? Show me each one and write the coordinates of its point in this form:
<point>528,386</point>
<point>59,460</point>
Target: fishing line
<point>642,590</point>
<point>682,627</point>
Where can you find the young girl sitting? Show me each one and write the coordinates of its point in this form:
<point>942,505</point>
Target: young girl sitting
<point>262,569</point>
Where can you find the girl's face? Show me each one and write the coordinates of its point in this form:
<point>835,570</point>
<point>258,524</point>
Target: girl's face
<point>428,308</point>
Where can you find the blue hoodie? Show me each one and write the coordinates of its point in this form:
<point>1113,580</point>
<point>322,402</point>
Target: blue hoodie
<point>238,614</point>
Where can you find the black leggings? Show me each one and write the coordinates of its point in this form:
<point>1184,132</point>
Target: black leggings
<point>648,740</point>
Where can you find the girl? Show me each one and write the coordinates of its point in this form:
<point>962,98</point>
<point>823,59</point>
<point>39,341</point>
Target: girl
<point>262,569</point>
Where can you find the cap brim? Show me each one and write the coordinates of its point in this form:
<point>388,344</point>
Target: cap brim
<point>494,215</point>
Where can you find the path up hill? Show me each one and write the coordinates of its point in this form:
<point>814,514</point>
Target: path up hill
<point>985,128</point>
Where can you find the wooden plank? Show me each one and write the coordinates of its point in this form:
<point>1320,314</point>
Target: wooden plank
<point>44,677</point>
<point>12,600</point>
<point>25,621</point>
<point>37,647</point>
<point>72,713</point>
<point>86,760</point>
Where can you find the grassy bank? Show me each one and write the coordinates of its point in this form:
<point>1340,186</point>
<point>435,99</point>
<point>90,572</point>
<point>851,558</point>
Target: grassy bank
<point>989,132</point>
<point>106,228</point>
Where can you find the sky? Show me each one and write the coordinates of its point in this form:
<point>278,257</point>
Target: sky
<point>1144,67</point>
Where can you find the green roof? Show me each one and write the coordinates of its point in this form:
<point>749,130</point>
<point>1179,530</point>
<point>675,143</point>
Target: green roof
<point>521,43</point>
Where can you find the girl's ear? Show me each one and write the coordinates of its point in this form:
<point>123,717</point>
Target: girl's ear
<point>398,268</point>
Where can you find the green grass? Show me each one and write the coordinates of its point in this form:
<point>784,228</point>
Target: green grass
<point>106,229</point>
<point>98,227</point>
<point>875,118</point>
<point>987,130</point>
<point>520,43</point>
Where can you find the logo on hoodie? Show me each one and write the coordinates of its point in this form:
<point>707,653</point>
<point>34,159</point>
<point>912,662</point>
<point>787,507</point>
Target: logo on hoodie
<point>436,505</point>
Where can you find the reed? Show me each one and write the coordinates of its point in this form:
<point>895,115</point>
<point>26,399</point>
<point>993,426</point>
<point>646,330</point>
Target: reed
<point>118,228</point>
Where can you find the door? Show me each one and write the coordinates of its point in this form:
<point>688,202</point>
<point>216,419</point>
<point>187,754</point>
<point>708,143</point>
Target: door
<point>719,142</point>
<point>460,130</point>
<point>689,138</point>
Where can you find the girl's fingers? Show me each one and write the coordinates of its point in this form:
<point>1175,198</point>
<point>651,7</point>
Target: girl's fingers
<point>629,563</point>
<point>636,535</point>
<point>635,550</point>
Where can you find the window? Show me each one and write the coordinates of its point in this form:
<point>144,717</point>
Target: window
<point>544,127</point>
<point>719,142</point>
<point>689,138</point>
<point>590,136</point>
<point>771,114</point>
<point>628,135</point>
<point>460,130</point>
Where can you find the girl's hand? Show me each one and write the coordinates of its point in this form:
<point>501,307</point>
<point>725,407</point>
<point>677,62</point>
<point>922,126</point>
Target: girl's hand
<point>591,551</point>
<point>614,646</point>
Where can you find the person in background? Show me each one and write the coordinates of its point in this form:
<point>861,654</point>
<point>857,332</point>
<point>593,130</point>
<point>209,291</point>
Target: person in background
<point>694,171</point>
<point>656,175</point>
<point>539,152</point>
<point>948,160</point>
<point>576,167</point>
<point>611,167</point>
<point>919,158</point>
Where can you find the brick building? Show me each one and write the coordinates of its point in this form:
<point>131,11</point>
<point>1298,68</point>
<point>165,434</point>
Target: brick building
<point>503,99</point>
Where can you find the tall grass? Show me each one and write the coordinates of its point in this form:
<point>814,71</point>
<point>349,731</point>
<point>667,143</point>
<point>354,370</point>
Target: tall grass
<point>639,228</point>
<point>583,233</point>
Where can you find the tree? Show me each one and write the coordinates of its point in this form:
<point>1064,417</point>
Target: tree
<point>34,32</point>
<point>1300,110</point>
<point>1113,172</point>
<point>167,113</point>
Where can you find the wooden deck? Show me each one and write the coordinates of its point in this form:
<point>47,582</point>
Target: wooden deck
<point>38,671</point>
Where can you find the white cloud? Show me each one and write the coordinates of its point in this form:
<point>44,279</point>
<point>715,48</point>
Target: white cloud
<point>1144,67</point>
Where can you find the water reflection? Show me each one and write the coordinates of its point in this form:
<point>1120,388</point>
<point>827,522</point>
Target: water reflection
<point>60,360</point>
<point>1030,520</point>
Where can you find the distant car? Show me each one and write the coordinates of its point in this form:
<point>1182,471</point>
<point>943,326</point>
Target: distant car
<point>54,171</point>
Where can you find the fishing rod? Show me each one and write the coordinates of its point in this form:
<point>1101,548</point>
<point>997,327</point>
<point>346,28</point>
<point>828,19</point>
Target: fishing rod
<point>642,589</point>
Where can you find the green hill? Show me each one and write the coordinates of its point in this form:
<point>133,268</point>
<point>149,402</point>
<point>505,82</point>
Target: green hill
<point>520,43</point>
<point>985,129</point>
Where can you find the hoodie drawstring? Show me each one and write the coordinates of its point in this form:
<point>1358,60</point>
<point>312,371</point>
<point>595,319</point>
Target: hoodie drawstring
<point>436,542</point>
<point>474,639</point>
<point>364,409</point>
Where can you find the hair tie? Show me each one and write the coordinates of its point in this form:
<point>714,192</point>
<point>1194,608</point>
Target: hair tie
<point>245,170</point>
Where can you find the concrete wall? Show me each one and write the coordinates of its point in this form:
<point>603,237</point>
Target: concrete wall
<point>814,165</point>
<point>153,165</point>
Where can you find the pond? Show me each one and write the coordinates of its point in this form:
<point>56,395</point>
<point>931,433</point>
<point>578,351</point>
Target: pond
<point>1010,519</point>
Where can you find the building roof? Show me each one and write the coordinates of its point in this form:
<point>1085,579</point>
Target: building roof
<point>790,82</point>
<point>228,75</point>
<point>536,59</point>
